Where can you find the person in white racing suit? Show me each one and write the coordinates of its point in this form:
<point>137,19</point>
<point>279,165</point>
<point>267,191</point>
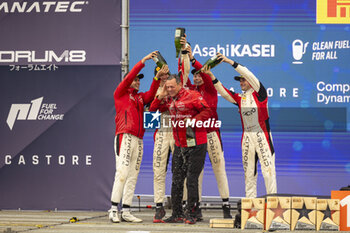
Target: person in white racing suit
<point>203,84</point>
<point>256,138</point>
<point>163,145</point>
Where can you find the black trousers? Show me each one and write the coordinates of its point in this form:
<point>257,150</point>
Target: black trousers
<point>187,163</point>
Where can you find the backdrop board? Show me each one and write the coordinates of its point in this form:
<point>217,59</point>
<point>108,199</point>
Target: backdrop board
<point>299,50</point>
<point>59,66</point>
<point>60,63</point>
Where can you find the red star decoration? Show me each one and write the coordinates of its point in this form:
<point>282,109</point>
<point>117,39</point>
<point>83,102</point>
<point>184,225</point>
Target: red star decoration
<point>278,211</point>
<point>252,212</point>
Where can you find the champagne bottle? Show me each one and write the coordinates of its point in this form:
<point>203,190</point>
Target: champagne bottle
<point>211,62</point>
<point>190,137</point>
<point>159,60</point>
<point>179,32</point>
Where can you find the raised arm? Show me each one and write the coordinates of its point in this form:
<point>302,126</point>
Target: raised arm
<point>184,61</point>
<point>149,95</point>
<point>160,101</point>
<point>242,70</point>
<point>129,78</point>
<point>208,84</point>
<point>224,92</point>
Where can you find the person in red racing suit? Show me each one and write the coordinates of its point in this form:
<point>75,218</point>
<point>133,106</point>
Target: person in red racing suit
<point>128,144</point>
<point>164,143</point>
<point>205,87</point>
<point>256,138</point>
<point>185,106</point>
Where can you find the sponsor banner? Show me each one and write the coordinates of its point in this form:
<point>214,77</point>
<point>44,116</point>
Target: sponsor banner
<point>236,50</point>
<point>333,12</point>
<point>27,7</point>
<point>31,112</point>
<point>36,33</point>
<point>57,133</point>
<point>57,112</point>
<point>59,65</point>
<point>329,93</point>
<point>320,50</point>
<point>303,65</point>
<point>344,198</point>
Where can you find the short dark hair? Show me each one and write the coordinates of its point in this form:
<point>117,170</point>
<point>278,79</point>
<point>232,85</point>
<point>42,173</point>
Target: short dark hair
<point>194,71</point>
<point>176,77</point>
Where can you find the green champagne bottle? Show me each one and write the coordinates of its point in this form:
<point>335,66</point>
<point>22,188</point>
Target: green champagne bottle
<point>179,32</point>
<point>211,62</point>
<point>159,60</point>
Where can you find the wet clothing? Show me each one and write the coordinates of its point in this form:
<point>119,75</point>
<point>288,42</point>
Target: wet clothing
<point>186,104</point>
<point>188,159</point>
<point>214,145</point>
<point>188,162</point>
<point>128,153</point>
<point>163,145</point>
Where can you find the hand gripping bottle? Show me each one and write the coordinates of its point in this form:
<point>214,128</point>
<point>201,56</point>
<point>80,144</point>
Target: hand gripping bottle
<point>159,60</point>
<point>211,62</point>
<point>179,32</point>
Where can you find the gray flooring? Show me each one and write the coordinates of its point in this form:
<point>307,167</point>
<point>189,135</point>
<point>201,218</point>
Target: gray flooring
<point>51,221</point>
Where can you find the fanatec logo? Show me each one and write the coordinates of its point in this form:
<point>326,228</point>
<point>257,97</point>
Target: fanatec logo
<point>33,111</point>
<point>42,6</point>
